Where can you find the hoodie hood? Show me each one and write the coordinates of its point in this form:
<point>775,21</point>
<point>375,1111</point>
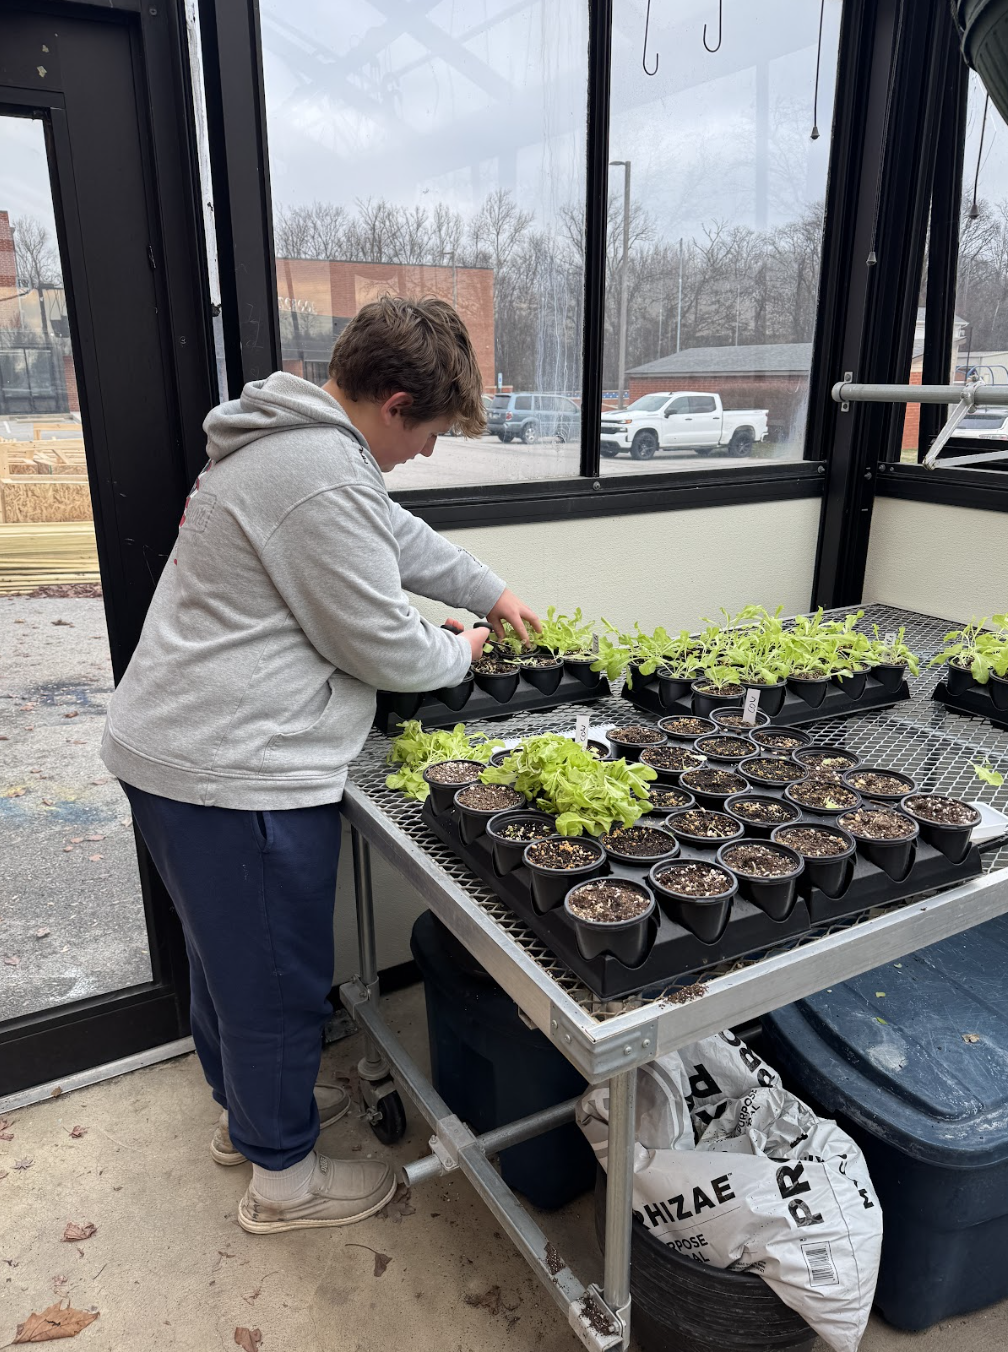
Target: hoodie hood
<point>280,403</point>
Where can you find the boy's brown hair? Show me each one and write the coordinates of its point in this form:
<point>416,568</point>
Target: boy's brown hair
<point>419,346</point>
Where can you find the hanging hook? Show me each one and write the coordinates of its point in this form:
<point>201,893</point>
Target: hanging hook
<point>647,24</point>
<point>974,210</point>
<point>719,28</point>
<point>815,97</point>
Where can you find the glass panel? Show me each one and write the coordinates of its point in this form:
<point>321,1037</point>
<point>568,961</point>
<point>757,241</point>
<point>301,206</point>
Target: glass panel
<point>71,913</point>
<point>980,328</point>
<point>726,191</point>
<point>436,149</point>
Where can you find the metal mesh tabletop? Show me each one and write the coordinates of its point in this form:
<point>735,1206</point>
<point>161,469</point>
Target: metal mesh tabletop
<point>921,737</point>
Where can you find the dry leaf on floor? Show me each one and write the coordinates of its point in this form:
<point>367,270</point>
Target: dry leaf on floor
<point>27,708</point>
<point>3,1173</point>
<point>94,837</point>
<point>41,933</point>
<point>55,1093</point>
<point>72,714</point>
<point>399,1207</point>
<point>73,1234</point>
<point>76,840</point>
<point>13,793</point>
<point>381,1260</point>
<point>78,1132</point>
<point>94,858</point>
<point>66,624</point>
<point>248,1339</point>
<point>55,1322</point>
<point>23,1164</point>
<point>11,961</point>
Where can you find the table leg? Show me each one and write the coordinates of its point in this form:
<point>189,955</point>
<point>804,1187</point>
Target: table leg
<point>619,1194</point>
<point>373,1066</point>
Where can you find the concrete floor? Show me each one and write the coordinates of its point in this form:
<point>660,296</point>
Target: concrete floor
<point>71,913</point>
<point>169,1267</point>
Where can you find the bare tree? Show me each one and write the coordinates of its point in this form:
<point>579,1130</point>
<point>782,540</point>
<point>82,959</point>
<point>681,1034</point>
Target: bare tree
<point>316,230</point>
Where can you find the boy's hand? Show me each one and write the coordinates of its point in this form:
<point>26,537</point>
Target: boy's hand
<point>516,613</point>
<point>476,638</point>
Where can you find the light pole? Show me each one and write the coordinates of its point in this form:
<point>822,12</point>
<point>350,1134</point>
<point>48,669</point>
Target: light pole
<point>623,285</point>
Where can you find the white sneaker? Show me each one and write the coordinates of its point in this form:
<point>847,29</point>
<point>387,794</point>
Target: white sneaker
<point>332,1101</point>
<point>339,1192</point>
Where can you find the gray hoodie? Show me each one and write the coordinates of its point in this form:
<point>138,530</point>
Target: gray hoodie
<point>280,611</point>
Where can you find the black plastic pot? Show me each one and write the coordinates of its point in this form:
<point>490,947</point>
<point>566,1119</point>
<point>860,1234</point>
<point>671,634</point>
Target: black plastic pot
<point>665,775</point>
<point>704,703</point>
<point>703,747</point>
<point>763,737</point>
<point>644,860</point>
<point>776,897</point>
<point>405,703</point>
<point>686,837</point>
<point>667,726</point>
<point>983,31</point>
<point>755,776</point>
<point>544,679</point>
<point>456,697</point>
<point>793,795</point>
<point>442,796</point>
<point>627,940</point>
<point>852,685</point>
<point>706,917</point>
<point>630,750</point>
<point>637,681</point>
<point>551,885</point>
<point>581,669</point>
<point>671,687</point>
<point>831,875</point>
<point>499,685</point>
<point>850,775</point>
<point>499,757</point>
<point>603,750</point>
<point>998,686</point>
<point>891,674</point>
<point>894,857</point>
<point>760,828</point>
<point>952,841</point>
<point>473,821</point>
<point>958,679</point>
<point>660,810</point>
<point>771,697</point>
<point>719,716</point>
<point>707,797</point>
<point>812,689</point>
<point>806,755</point>
<point>507,854</point>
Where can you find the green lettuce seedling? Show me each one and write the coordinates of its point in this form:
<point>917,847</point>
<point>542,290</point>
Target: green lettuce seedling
<point>988,774</point>
<point>895,653</point>
<point>413,750</point>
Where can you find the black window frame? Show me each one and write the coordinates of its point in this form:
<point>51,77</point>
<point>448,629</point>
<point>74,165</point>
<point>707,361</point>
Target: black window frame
<point>233,74</point>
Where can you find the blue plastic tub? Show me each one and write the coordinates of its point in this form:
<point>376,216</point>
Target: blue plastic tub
<point>491,1068</point>
<point>912,1060</point>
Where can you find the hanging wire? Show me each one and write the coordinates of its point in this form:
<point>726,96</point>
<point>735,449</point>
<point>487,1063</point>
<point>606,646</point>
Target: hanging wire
<point>647,25</point>
<point>719,30</point>
<point>818,59</point>
<point>872,258</point>
<point>974,210</point>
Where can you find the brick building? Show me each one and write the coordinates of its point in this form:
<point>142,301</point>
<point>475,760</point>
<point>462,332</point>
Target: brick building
<point>318,299</point>
<point>773,376</point>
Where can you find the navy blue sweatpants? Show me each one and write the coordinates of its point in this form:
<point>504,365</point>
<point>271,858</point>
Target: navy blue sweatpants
<point>255,893</point>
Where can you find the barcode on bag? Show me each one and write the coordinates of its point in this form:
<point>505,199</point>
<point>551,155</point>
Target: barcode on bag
<point>819,1262</point>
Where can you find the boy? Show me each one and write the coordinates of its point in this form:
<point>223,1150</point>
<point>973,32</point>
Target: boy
<point>252,689</point>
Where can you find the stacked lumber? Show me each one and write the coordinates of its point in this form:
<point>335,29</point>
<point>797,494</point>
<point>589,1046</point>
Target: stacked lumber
<point>42,498</point>
<point>33,555</point>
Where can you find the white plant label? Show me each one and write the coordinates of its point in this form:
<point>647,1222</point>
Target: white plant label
<point>581,724</point>
<point>750,707</point>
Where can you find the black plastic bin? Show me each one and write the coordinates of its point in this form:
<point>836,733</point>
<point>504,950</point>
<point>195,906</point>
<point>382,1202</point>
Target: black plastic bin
<point>912,1060</point>
<point>680,1305</point>
<point>490,1068</point>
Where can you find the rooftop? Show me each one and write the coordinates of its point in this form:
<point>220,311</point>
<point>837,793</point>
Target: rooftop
<point>746,359</point>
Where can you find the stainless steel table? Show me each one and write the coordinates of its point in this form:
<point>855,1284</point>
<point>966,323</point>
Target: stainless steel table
<point>608,1041</point>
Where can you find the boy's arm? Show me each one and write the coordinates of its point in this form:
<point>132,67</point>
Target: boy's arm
<point>334,561</point>
<point>432,566</point>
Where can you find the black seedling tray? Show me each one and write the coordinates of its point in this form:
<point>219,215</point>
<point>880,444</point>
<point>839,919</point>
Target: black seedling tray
<point>976,702</point>
<point>836,704</point>
<point>674,952</point>
<point>434,713</point>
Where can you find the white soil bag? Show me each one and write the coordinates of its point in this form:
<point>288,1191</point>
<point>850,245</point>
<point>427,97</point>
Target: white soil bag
<point>788,1196</point>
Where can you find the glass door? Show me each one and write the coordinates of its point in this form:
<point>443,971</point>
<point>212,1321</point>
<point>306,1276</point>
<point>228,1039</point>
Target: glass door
<point>101,397</point>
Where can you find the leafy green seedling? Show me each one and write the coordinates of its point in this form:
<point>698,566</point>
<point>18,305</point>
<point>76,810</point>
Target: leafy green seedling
<point>988,774</point>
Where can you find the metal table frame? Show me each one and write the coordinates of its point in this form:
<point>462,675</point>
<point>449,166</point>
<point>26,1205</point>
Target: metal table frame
<point>609,1046</point>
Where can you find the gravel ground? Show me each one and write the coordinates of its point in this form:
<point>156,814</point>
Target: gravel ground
<point>71,914</point>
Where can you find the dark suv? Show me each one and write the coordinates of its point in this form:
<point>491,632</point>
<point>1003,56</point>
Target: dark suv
<point>534,416</point>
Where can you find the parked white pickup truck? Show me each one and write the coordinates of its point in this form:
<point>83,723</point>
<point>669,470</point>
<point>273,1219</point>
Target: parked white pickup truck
<point>685,420</point>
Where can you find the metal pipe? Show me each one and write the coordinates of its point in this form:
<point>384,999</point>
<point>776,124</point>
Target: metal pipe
<point>848,392</point>
<point>499,1138</point>
<point>619,1188</point>
<point>365,908</point>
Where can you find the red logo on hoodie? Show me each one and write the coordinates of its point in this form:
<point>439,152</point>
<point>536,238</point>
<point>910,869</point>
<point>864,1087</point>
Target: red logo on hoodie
<point>192,493</point>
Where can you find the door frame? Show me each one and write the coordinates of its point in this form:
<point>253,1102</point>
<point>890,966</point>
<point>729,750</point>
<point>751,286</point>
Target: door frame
<point>41,1047</point>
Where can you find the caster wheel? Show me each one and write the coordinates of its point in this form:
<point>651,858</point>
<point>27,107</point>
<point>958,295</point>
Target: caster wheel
<point>390,1124</point>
